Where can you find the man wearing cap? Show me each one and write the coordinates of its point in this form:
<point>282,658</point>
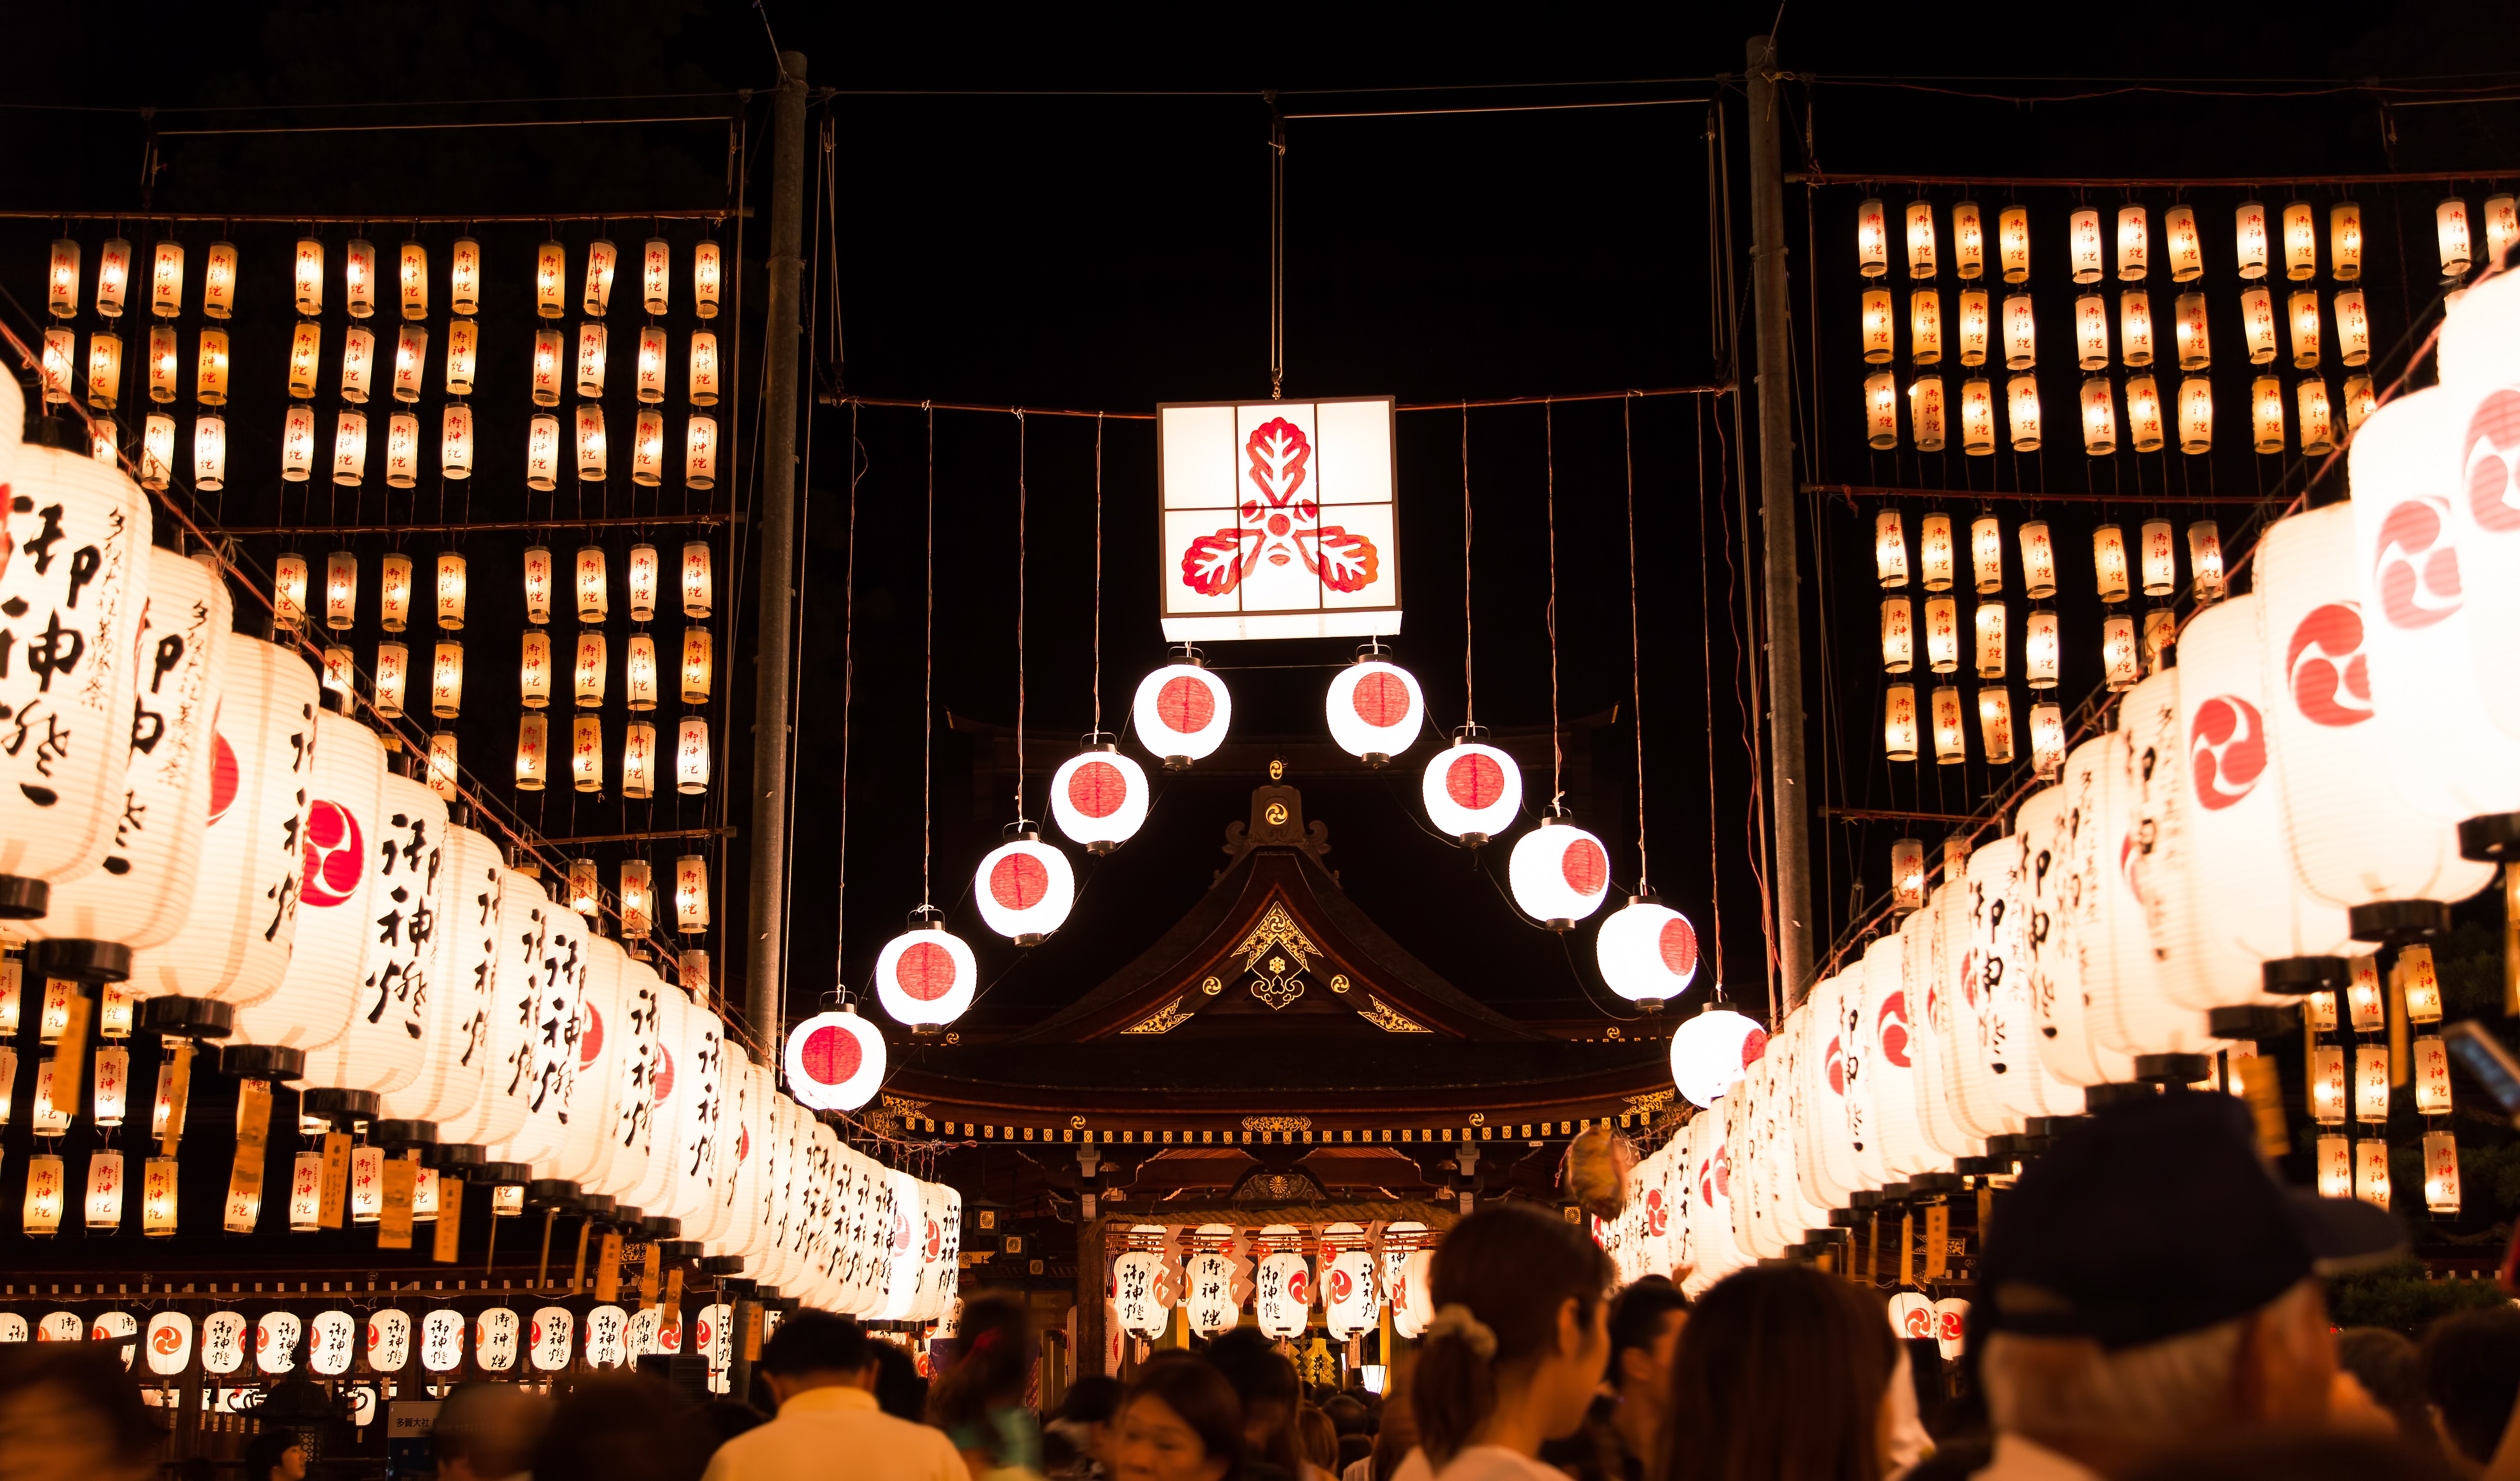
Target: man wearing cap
<point>2148,1285</point>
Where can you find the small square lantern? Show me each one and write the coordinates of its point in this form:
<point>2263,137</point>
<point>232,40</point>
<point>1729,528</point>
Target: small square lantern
<point>2041,649</point>
<point>1899,722</point>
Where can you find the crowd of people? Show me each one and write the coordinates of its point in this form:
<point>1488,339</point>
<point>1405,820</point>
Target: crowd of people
<point>2149,1307</point>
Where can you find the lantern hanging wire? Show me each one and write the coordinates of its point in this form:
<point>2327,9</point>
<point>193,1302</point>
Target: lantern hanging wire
<point>1636,655</point>
<point>848,682</point>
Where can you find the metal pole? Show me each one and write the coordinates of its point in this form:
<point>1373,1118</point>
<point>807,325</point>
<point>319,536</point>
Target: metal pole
<point>766,881</point>
<point>1786,772</point>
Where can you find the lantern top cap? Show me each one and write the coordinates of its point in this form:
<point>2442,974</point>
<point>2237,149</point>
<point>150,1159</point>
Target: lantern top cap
<point>1464,734</point>
<point>927,917</point>
<point>1097,741</point>
<point>1184,653</point>
<point>1021,830</point>
<point>1372,650</point>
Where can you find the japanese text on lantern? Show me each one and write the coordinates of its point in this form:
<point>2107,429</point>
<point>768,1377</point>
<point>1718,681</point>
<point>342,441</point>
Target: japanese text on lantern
<point>1279,520</point>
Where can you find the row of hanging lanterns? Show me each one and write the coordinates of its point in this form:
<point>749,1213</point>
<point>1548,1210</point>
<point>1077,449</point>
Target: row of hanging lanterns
<point>1972,338</point>
<point>2148,425</point>
<point>1210,1274</point>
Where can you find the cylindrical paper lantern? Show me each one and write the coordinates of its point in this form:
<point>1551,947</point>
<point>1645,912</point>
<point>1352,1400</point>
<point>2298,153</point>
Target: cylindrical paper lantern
<point>1889,547</point>
<point>343,832</point>
<point>2012,242</point>
<point>2145,424</point>
<point>2099,418</point>
<point>1880,410</point>
<point>2135,244</point>
<point>1950,741</point>
<point>2196,415</point>
<point>1897,636</point>
<point>2022,409</point>
<point>2021,332</point>
<point>1872,239</point>
<point>1926,327</point>
<point>2449,228</point>
<point>1976,326</point>
<point>1899,722</point>
<point>2092,331</point>
<point>2135,328</point>
<point>2083,250</point>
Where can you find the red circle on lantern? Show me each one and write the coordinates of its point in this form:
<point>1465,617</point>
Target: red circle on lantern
<point>926,971</point>
<point>1018,882</point>
<point>664,1083</point>
<point>1475,781</point>
<point>589,1039</point>
<point>1097,788</point>
<point>1679,946</point>
<point>1380,699</point>
<point>832,1054</point>
<point>1185,705</point>
<point>1584,866</point>
<point>337,855</point>
<point>223,775</point>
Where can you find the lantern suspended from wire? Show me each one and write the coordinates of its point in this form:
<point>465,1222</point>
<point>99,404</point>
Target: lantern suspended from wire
<point>2265,414</point>
<point>601,259</point>
<point>411,361</point>
<point>358,364</point>
<point>551,280</point>
<point>692,756</point>
<point>2021,332</point>
<point>2441,1174</point>
<point>1942,635</point>
<point>924,977</point>
<point>1988,622</point>
<point>692,896</point>
<point>2300,241</point>
<point>542,454</point>
<point>157,451</point>
<point>1951,740</point>
<point>647,449</point>
<point>2021,406</point>
<point>45,1190</point>
<point>2083,246</point>
<point>639,673</point>
<point>359,277</point>
<point>2144,426</point>
<point>698,665</point>
<point>340,590</point>
<point>1558,872</point>
<point>2360,403</point>
<point>2099,418</point>
<point>1899,722</point>
<point>2012,244</point>
<point>1025,888</point>
<point>1473,791</point>
<point>534,671</point>
<point>1878,337</point>
<point>2317,421</point>
<point>350,449</point>
<point>209,453</point>
<point>1182,712</point>
<point>591,344</point>
<point>1995,724</point>
<point>1710,1052</point>
<point>2159,560</point>
<point>443,767</point>
<point>451,590</point>
<point>835,1061</point>
<point>392,673</point>
<point>2258,324</point>
<point>402,450</point>
<point>2041,650</point>
<point>699,454</point>
<point>533,752</point>
<point>413,271</point>
<point>2345,240</point>
<point>1890,548</point>
<point>2302,311</point>
<point>1871,239</point>
<point>2038,561</point>
<point>2046,739</point>
<point>463,354</point>
<point>698,588</point>
<point>1976,326</point>
<point>61,279</point>
<point>704,368</point>
<point>2092,331</point>
<point>2205,560</point>
<point>588,671</point>
<point>1897,636</point>
<point>1099,797</point>
<point>2353,329</point>
<point>2118,657</point>
<point>112,277</point>
<point>1374,708</point>
<point>1935,551</point>
<point>2249,237</point>
<point>1921,255</point>
<point>639,760</point>
<point>1926,327</point>
<point>2196,415</point>
<point>163,366</point>
<point>651,364</point>
<point>547,382</point>
<point>1908,876</point>
<point>2135,244</point>
<point>1880,410</point>
<point>103,370</point>
<point>2501,226</point>
<point>61,364</point>
<point>2423,984</point>
<point>1648,953</point>
<point>2449,227</point>
<point>593,458</point>
<point>1977,418</point>
<point>289,592</point>
<point>706,271</point>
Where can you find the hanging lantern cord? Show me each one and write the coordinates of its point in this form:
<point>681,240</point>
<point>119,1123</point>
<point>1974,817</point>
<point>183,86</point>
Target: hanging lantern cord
<point>1556,741</point>
<point>1098,573</point>
<point>848,682</point>
<point>1469,686</point>
<point>1019,615</point>
<point>927,702</point>
<point>1636,660</point>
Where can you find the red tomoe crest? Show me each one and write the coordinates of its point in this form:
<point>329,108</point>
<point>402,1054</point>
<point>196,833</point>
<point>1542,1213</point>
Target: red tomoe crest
<point>936,1244</point>
<point>1836,1059</point>
<point>900,1231</point>
<point>2494,464</point>
<point>1657,1216</point>
<point>2416,570</point>
<point>1280,527</point>
<point>1299,1286</point>
<point>590,1038</point>
<point>2229,753</point>
<point>1921,1321</point>
<point>1948,1327</point>
<point>1342,1285</point>
<point>1715,1179</point>
<point>664,1079</point>
<point>336,854</point>
<point>2324,665</point>
<point>1894,1029</point>
<point>165,1339</point>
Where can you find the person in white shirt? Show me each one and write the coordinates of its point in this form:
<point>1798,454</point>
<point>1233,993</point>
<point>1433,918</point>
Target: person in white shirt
<point>822,1369</point>
<point>1516,1351</point>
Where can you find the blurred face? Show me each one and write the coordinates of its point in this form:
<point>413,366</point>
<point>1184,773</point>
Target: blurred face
<point>46,1435</point>
<point>1261,1421</point>
<point>293,1464</point>
<point>1566,1380</point>
<point>1644,1373</point>
<point>1151,1443</point>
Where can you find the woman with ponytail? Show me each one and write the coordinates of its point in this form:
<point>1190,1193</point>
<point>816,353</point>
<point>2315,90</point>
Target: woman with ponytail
<point>1516,1351</point>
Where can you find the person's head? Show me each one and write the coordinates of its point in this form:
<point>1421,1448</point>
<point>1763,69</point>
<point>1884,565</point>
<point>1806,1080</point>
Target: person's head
<point>632,1428</point>
<point>1269,1388</point>
<point>1518,1317</point>
<point>996,1361</point>
<point>280,1455</point>
<point>1645,1330</point>
<point>483,1430</point>
<point>1348,1415</point>
<point>1351,1450</point>
<point>816,1349</point>
<point>900,1389</point>
<point>2110,1331</point>
<point>2296,1457</point>
<point>2391,1370</point>
<point>72,1414</point>
<point>1181,1420</point>
<point>1780,1372</point>
<point>1085,1415</point>
<point>2471,1375</point>
<point>1318,1437</point>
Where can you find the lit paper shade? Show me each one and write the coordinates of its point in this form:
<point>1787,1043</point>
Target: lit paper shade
<point>901,1284</point>
<point>1709,1053</point>
<point>1825,1152</point>
<point>169,1343</point>
<point>442,1341</point>
<point>669,1094</point>
<point>1024,889</point>
<point>1974,1045</point>
<point>223,1342</point>
<point>2243,904</point>
<point>1279,520</point>
<point>747,1152</point>
<point>1374,710</point>
<point>331,1342</point>
<point>713,1221</point>
<point>547,1337</point>
<point>2354,840</point>
<point>341,837</point>
<point>703,1088</point>
<point>544,954</point>
<point>466,938</point>
<point>507,1083</point>
<point>395,1018</point>
<point>1928,1029</point>
<point>275,1341</point>
<point>2061,849</point>
<point>2451,760</point>
<point>626,1117</point>
<point>70,684</point>
<point>494,1339</point>
<point>1099,797</point>
<point>1283,1294</point>
<point>925,976</point>
<point>2483,381</point>
<point>389,1340</point>
<point>143,894</point>
<point>1890,1059</point>
<point>1646,951</point>
<point>1558,872</point>
<point>835,1062</point>
<point>1182,712</point>
<point>1208,1303</point>
<point>1354,1304</point>
<point>586,1148</point>
<point>1472,788</point>
<point>2142,876</point>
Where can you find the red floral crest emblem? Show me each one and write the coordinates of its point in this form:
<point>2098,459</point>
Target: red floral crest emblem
<point>1281,527</point>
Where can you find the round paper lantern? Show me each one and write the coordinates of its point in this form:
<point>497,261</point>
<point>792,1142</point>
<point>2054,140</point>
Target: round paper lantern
<point>1135,1280</point>
<point>2479,367</point>
<point>1560,873</point>
<point>1709,1053</point>
<point>1647,952</point>
<point>169,1343</point>
<point>1376,710</point>
<point>1283,1294</point>
<point>835,1061</point>
<point>1024,888</point>
<point>1182,713</point>
<point>312,1006</point>
<point>925,976</point>
<point>395,1013</point>
<point>1099,797</point>
<point>1473,791</point>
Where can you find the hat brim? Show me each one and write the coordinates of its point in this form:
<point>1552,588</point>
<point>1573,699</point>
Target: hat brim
<point>2345,1236</point>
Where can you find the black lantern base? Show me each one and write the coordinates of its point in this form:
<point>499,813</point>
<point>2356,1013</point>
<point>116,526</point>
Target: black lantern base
<point>2249,1020</point>
<point>340,1106</point>
<point>80,961</point>
<point>188,1017</point>
<point>1934,1182</point>
<point>550,1194</point>
<point>597,1206</point>
<point>2173,1069</point>
<point>2399,923</point>
<point>399,1136</point>
<point>661,1227</point>
<point>2102,1097</point>
<point>454,1156</point>
<point>2494,838</point>
<point>500,1174</point>
<point>725,1267</point>
<point>2299,977</point>
<point>679,1249</point>
<point>262,1061</point>
<point>25,899</point>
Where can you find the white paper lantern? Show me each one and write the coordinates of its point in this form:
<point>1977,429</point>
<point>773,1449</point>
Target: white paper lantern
<point>548,1339</point>
<point>394,1015</point>
<point>1099,797</point>
<point>835,1061</point>
<point>1647,952</point>
<point>1282,1295</point>
<point>1024,889</point>
<point>1376,710</point>
<point>1560,873</point>
<point>2441,1173</point>
<point>169,1343</point>
<point>925,976</point>
<point>1182,713</point>
<point>1473,791</point>
<point>311,1008</point>
<point>702,1087</point>
<point>1351,1303</point>
<point>1709,1053</point>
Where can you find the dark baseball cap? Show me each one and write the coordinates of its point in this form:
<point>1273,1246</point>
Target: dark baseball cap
<point>2157,1217</point>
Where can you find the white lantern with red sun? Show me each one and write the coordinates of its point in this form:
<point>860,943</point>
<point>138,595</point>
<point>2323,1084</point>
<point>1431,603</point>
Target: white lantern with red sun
<point>1024,888</point>
<point>1375,709</point>
<point>1709,1052</point>
<point>925,976</point>
<point>1099,797</point>
<point>1182,713</point>
<point>1473,791</point>
<point>835,1061</point>
<point>1560,873</point>
<point>1647,952</point>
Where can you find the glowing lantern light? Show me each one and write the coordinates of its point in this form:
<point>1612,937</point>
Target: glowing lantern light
<point>1988,622</point>
<point>835,1061</point>
<point>551,280</point>
<point>1942,635</point>
<point>402,450</point>
<point>101,445</point>
<point>1926,327</point>
<point>2318,425</point>
<point>1890,548</point>
<point>2118,653</point>
<point>2135,328</point>
<point>358,364</point>
<point>60,280</point>
<point>647,449</point>
<point>2353,329</point>
<point>585,887</point>
<point>1935,551</point>
<point>656,274</point>
<point>463,356</point>
<point>1977,418</point>
<point>2501,226</point>
<point>587,673</point>
<point>341,673</point>
<point>2365,1008</point>
<point>157,451</point>
<point>2300,241</point>
<point>463,276</point>
<point>1871,239</point>
<point>1899,722</point>
<point>2092,331</point>
<point>924,977</point>
<point>2371,1172</point>
<point>2449,225</point>
<point>413,271</point>
<point>2302,310</point>
<point>2441,1173</point>
<point>639,673</point>
<point>1099,797</point>
<point>103,370</point>
<point>60,361</point>
<point>1560,873</point>
<point>2196,415</point>
<point>112,277</point>
<point>1472,790</point>
<point>112,1072</point>
<point>700,452</point>
<point>45,1188</point>
<point>698,666</point>
<point>442,764</point>
<point>103,1200</point>
<point>697,586</point>
<point>209,453</point>
<point>1921,239</point>
<point>289,592</point>
<point>2021,405</point>
<point>2360,403</point>
<point>2423,984</point>
<point>2195,345</point>
<point>651,364</point>
<point>1877,332</point>
<point>1907,875</point>
<point>411,361</point>
<point>1976,327</point>
<point>2265,414</point>
<point>704,366</point>
<point>2099,418</point>
<point>592,458</point>
<point>1951,740</point>
<point>359,277</point>
<point>2160,631</point>
<point>533,752</point>
<point>161,363</point>
<point>2083,246</point>
<point>1374,710</point>
<point>158,1221</point>
<point>1024,888</point>
<point>2135,244</point>
<point>1710,1052</point>
<point>1182,712</point>
<point>2144,429</point>
<point>706,271</point>
<point>1648,953</point>
<point>591,344</point>
<point>1995,724</point>
<point>2258,324</point>
<point>2021,332</point>
<point>1897,636</point>
<point>455,442</point>
<point>392,673</point>
<point>2040,649</point>
<point>639,760</point>
<point>2371,1083</point>
<point>2249,237</point>
<point>451,589</point>
<point>2012,244</point>
<point>2046,739</point>
<point>2160,561</point>
<point>602,260</point>
<point>692,900</point>
<point>2432,1076</point>
<point>547,367</point>
<point>542,454</point>
<point>534,671</point>
<point>1880,410</point>
<point>340,590</point>
<point>692,756</point>
<point>2205,560</point>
